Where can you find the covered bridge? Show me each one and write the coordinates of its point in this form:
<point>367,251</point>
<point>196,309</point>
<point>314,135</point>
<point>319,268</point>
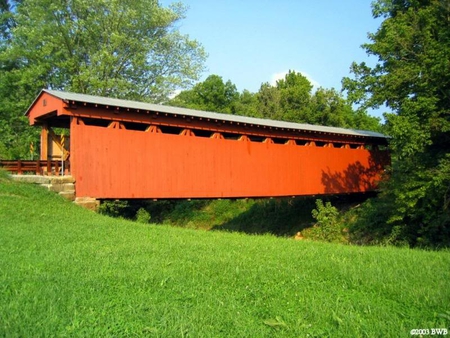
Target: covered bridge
<point>126,149</point>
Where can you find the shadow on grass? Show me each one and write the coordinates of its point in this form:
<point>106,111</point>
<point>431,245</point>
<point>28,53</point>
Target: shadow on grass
<point>284,216</point>
<point>277,216</point>
<point>280,217</point>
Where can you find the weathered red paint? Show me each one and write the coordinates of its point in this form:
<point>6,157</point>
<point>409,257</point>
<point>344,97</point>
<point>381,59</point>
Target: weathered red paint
<point>116,162</point>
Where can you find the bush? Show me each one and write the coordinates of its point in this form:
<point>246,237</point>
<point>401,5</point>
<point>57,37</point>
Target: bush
<point>143,216</point>
<point>327,228</point>
<point>117,208</point>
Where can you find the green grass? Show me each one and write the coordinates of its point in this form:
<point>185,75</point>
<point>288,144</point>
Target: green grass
<point>65,271</point>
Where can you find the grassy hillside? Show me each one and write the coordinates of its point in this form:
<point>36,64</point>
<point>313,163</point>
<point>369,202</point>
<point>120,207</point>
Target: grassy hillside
<point>65,271</point>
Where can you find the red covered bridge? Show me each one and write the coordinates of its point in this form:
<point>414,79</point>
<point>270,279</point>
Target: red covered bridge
<point>127,149</point>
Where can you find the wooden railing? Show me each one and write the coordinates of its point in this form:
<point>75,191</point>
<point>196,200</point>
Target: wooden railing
<point>38,167</point>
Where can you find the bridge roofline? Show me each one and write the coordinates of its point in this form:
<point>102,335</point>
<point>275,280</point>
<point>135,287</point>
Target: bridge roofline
<point>70,97</point>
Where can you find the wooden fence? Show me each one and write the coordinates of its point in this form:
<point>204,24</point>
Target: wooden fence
<point>38,167</point>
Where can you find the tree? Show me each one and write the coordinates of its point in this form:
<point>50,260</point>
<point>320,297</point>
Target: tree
<point>288,100</point>
<point>295,94</point>
<point>119,48</point>
<point>329,108</point>
<point>291,99</point>
<point>269,102</point>
<point>212,95</point>
<point>247,105</point>
<point>6,20</point>
<point>413,79</point>
<point>15,137</point>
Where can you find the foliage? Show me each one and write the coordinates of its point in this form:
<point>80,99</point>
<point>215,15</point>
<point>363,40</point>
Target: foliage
<point>247,105</point>
<point>123,49</point>
<point>327,227</point>
<point>6,20</point>
<point>83,274</point>
<point>115,208</point>
<point>291,99</point>
<point>295,92</point>
<point>143,216</point>
<point>15,135</point>
<point>211,95</point>
<point>413,79</point>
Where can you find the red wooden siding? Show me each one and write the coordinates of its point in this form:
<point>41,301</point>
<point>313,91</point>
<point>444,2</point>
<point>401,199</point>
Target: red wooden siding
<point>43,107</point>
<point>121,163</point>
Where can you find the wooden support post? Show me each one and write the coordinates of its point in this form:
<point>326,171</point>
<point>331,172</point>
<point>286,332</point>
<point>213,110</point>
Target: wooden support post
<point>44,141</point>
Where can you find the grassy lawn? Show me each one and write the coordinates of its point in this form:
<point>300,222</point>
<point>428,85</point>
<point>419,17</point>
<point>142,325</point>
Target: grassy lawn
<point>65,271</point>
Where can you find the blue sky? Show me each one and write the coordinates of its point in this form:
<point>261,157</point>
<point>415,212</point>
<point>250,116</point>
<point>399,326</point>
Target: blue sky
<point>250,42</point>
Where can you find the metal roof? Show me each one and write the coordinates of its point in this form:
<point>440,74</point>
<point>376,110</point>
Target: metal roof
<point>206,114</point>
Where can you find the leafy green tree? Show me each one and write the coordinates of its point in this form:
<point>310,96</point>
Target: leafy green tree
<point>288,100</point>
<point>295,94</point>
<point>6,19</point>
<point>15,135</point>
<point>412,78</point>
<point>269,102</point>
<point>247,104</point>
<point>291,99</point>
<point>329,108</point>
<point>118,48</point>
<point>212,95</point>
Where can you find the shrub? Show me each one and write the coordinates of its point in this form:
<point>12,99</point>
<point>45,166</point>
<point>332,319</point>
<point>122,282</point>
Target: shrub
<point>117,208</point>
<point>327,227</point>
<point>143,216</point>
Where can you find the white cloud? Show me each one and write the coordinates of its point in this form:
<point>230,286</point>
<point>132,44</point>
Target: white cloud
<point>282,75</point>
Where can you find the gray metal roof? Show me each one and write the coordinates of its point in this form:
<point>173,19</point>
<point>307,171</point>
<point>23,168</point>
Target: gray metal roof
<point>206,114</point>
